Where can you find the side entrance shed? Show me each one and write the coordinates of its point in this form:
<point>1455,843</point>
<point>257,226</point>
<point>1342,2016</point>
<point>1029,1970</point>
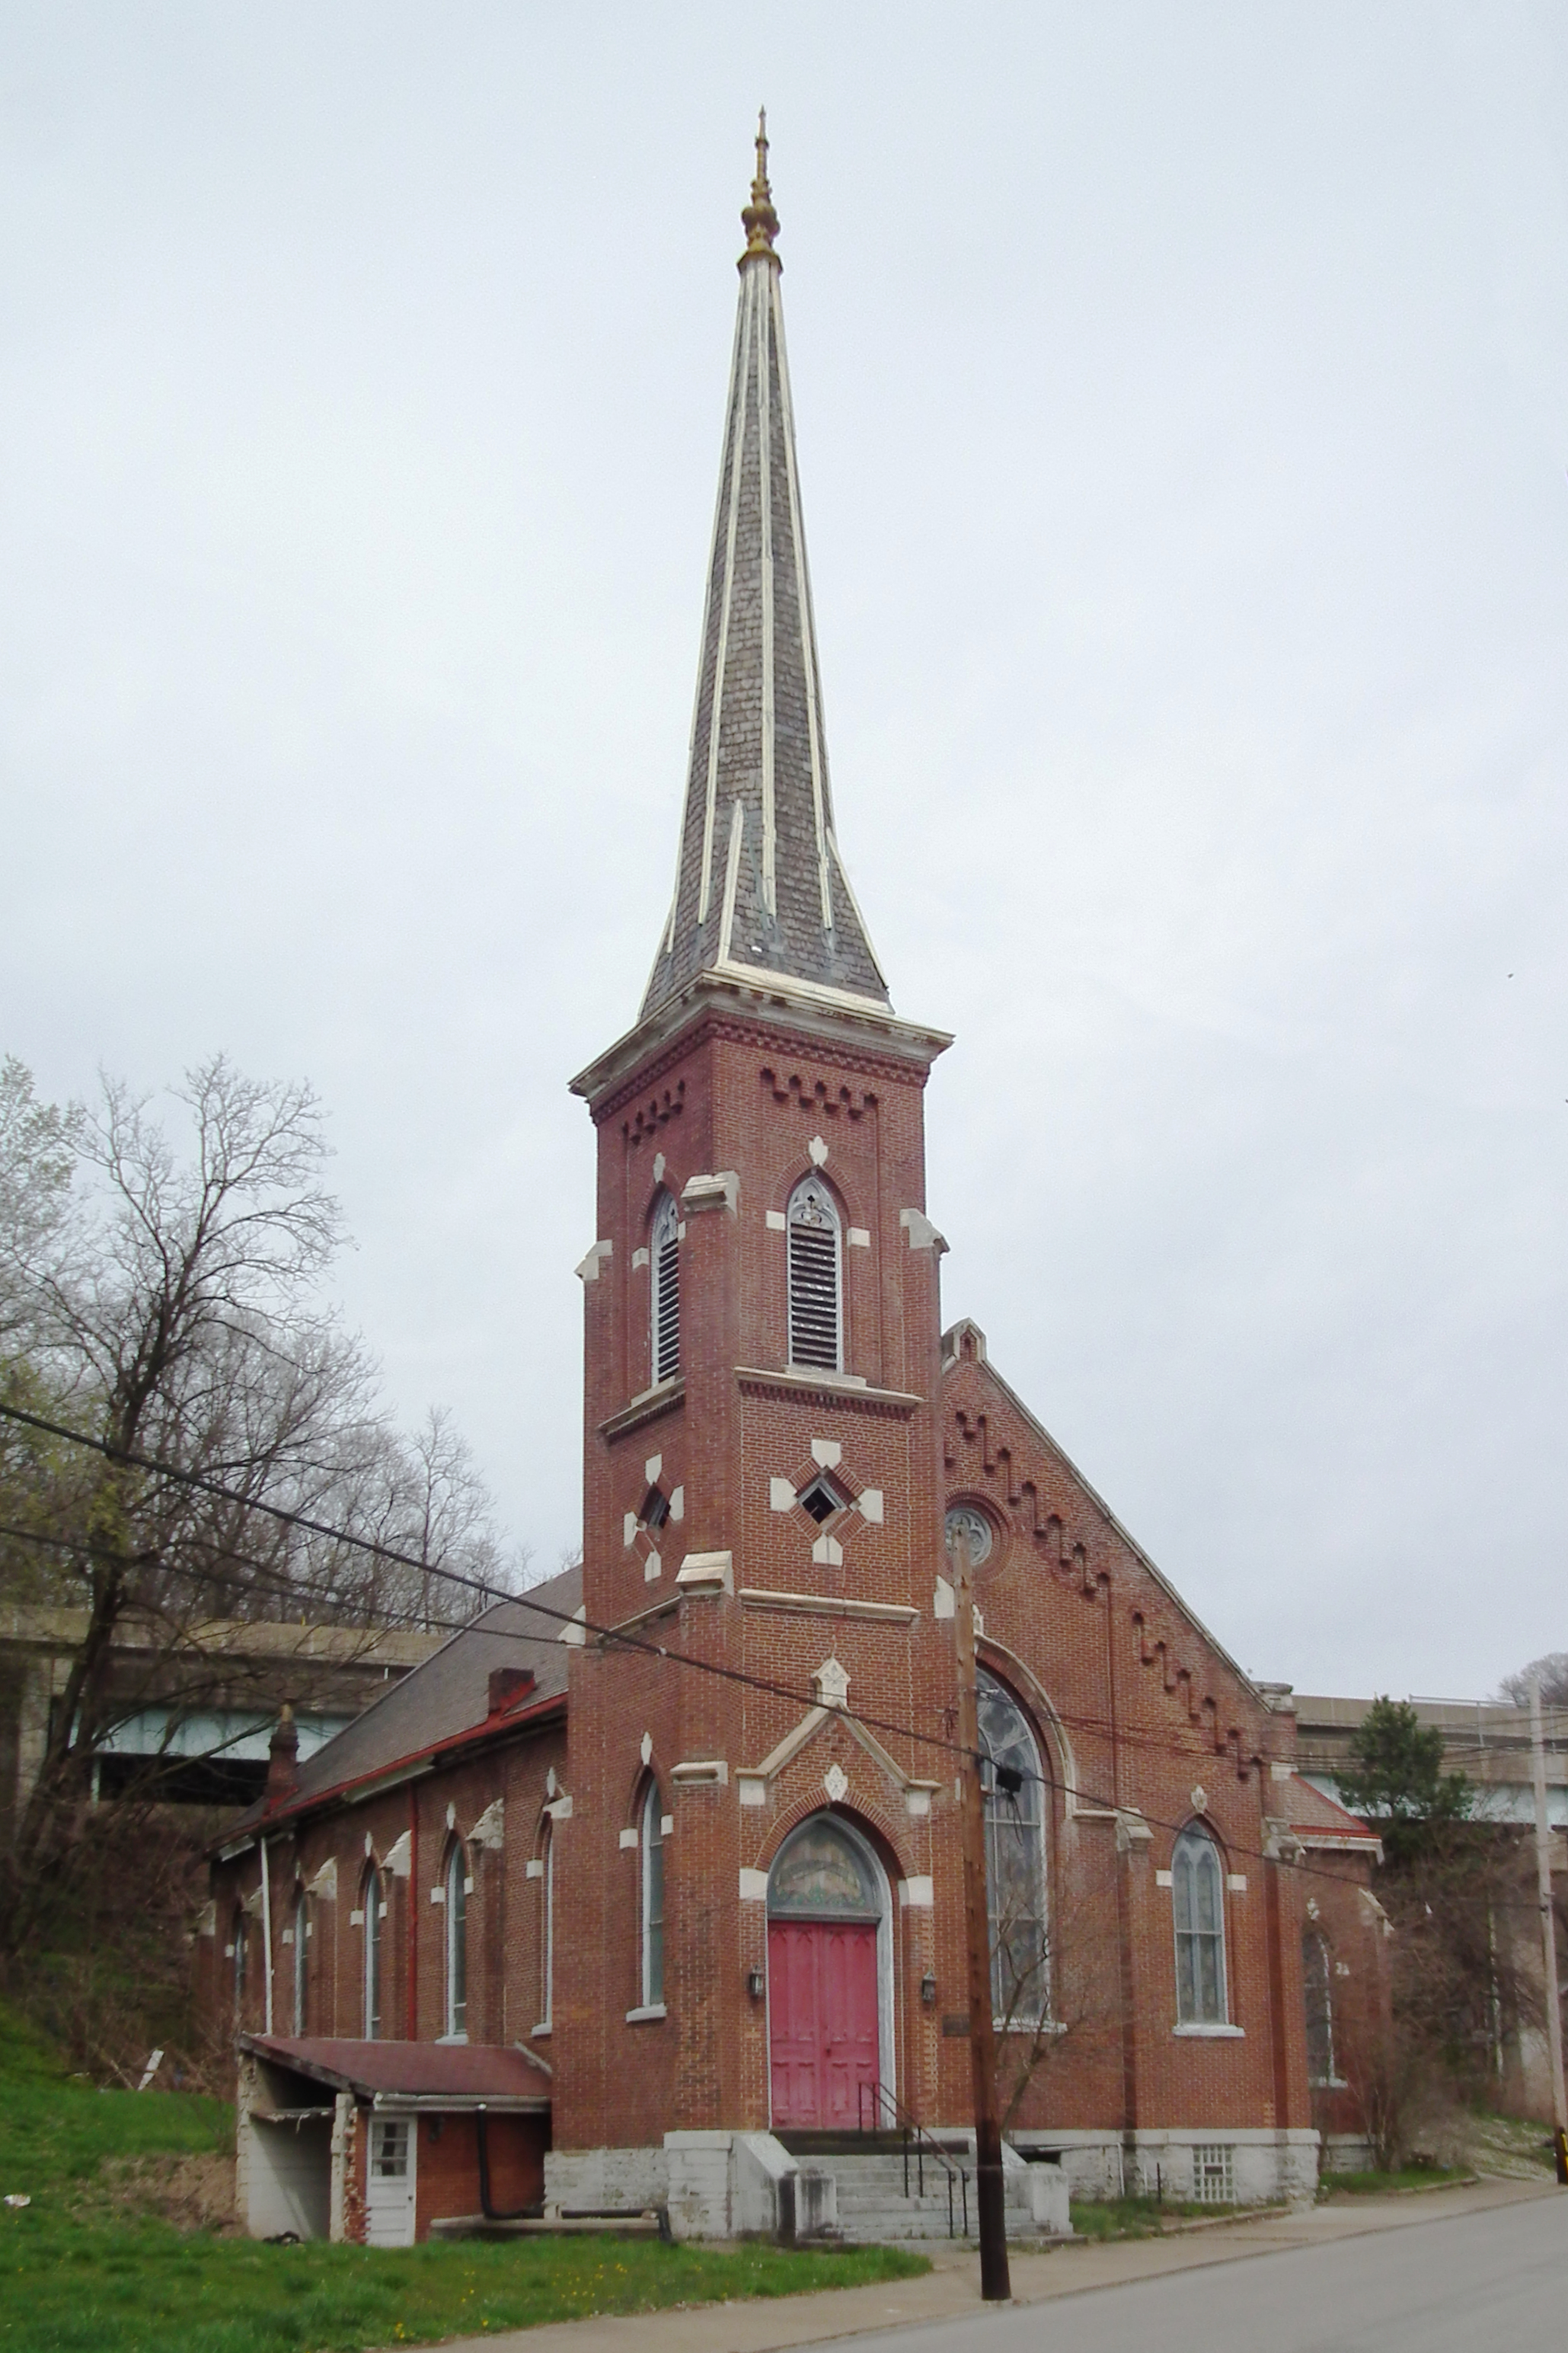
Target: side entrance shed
<point>372,2142</point>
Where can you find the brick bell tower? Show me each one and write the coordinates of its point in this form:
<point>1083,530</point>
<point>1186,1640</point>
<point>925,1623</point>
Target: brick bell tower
<point>761,1468</point>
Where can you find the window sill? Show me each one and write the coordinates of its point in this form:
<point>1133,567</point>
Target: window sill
<point>649,2011</point>
<point>448,2039</point>
<point>1327,2083</point>
<point>542,2033</point>
<point>1029,2025</point>
<point>1199,2034</point>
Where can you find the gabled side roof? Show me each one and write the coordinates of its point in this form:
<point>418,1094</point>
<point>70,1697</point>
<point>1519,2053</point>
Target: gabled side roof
<point>974,1351</point>
<point>446,1696</point>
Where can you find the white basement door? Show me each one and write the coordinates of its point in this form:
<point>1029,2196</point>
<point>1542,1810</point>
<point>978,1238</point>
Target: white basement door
<point>389,2199</point>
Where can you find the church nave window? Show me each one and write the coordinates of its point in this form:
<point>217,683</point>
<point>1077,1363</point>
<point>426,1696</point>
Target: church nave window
<point>302,1963</point>
<point>664,1263</point>
<point>373,1899</point>
<point>1197,1889</point>
<point>1013,1784</point>
<point>457,1944</point>
<point>1317,1983</point>
<point>650,1843</point>
<point>815,1277</point>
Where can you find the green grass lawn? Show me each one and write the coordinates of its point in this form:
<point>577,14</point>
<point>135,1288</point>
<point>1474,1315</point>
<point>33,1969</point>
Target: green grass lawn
<point>80,2273</point>
<point>1136,2218</point>
<point>1375,2185</point>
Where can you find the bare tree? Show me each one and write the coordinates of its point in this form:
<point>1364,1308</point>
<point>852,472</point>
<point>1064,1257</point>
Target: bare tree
<point>1551,1672</point>
<point>166,1305</point>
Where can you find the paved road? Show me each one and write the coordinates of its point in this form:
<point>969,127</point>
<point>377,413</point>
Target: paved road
<point>1472,2283</point>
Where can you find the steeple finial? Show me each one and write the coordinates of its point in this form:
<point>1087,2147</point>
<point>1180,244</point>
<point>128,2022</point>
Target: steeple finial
<point>759,219</point>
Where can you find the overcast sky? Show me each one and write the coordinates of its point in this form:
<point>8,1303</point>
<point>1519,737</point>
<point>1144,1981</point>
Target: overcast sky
<point>1183,398</point>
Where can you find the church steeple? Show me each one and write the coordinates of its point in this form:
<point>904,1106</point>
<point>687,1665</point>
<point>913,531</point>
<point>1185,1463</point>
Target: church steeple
<point>760,889</point>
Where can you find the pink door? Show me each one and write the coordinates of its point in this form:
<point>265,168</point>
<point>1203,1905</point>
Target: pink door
<point>822,2003</point>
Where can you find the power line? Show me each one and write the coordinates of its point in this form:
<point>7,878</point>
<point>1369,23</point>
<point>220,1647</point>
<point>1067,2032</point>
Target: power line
<point>130,1460</point>
<point>628,1641</point>
<point>414,1622</point>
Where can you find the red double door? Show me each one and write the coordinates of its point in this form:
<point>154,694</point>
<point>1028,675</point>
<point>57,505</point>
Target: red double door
<point>822,2005</point>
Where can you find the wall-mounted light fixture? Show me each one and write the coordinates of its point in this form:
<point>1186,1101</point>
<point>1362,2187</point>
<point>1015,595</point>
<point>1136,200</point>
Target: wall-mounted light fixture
<point>756,1984</point>
<point>928,1989</point>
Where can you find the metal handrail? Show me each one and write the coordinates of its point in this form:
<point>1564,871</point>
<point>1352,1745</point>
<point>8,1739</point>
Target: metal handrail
<point>911,2127</point>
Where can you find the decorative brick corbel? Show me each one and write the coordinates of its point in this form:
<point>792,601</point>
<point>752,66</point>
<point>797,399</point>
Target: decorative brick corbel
<point>1133,1834</point>
<point>923,1234</point>
<point>719,1190</point>
<point>588,1268</point>
<point>1280,1844</point>
<point>489,1830</point>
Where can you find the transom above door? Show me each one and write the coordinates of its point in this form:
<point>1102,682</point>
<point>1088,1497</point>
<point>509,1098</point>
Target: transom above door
<point>825,1969</point>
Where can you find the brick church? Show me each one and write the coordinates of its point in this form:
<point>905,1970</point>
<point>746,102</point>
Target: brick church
<point>646,1890</point>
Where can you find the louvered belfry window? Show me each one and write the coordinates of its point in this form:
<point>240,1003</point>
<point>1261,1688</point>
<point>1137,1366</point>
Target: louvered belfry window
<point>815,1278</point>
<point>665,1261</point>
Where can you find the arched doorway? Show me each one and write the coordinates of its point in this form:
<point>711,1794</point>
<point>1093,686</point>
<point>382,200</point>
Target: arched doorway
<point>829,1955</point>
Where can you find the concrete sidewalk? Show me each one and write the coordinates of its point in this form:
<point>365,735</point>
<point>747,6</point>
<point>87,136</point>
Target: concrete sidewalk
<point>951,2287</point>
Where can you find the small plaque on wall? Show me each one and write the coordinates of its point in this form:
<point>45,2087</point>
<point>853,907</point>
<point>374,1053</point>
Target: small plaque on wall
<point>955,2024</point>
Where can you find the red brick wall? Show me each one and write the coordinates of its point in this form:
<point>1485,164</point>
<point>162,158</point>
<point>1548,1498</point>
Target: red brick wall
<point>446,2180</point>
<point>750,1100</point>
<point>1136,1710</point>
<point>504,1910</point>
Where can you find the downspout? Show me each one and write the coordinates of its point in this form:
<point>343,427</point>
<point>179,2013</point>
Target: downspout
<point>413,1911</point>
<point>486,2206</point>
<point>267,1926</point>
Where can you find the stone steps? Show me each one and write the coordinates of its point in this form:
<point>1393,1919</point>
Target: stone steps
<point>871,2204</point>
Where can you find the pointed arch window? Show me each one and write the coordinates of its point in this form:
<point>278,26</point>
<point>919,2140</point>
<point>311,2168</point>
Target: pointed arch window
<point>374,1935</point>
<point>814,1238</point>
<point>650,1856</point>
<point>302,1963</point>
<point>457,1909</point>
<point>664,1263</point>
<point>240,1959</point>
<point>547,1932</point>
<point>1013,1784</point>
<point>1318,1984</point>
<point>1197,1891</point>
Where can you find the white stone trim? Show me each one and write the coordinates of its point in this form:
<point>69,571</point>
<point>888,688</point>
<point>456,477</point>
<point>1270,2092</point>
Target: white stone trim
<point>707,1572</point>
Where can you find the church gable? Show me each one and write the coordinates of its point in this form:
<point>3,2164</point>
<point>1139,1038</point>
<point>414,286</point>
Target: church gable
<point>1055,1562</point>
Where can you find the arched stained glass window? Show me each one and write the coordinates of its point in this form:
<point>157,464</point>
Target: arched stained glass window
<point>1317,1981</point>
<point>1197,1893</point>
<point>650,1843</point>
<point>820,1874</point>
<point>1013,1784</point>
<point>664,1263</point>
<point>457,1944</point>
<point>374,1926</point>
<point>815,1277</point>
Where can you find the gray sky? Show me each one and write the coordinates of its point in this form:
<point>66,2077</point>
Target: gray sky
<point>1182,399</point>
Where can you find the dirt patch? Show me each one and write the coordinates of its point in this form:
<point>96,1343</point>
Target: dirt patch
<point>194,2193</point>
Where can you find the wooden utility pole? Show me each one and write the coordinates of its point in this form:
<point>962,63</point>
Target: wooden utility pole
<point>1548,1935</point>
<point>991,2201</point>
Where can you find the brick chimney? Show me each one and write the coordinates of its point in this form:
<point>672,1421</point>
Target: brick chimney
<point>508,1685</point>
<point>283,1758</point>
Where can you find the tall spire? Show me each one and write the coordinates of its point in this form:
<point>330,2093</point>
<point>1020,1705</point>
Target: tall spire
<point>760,887</point>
